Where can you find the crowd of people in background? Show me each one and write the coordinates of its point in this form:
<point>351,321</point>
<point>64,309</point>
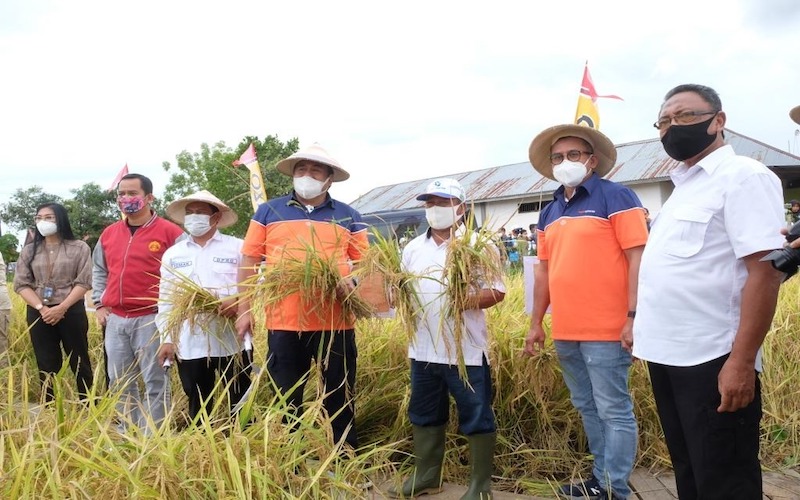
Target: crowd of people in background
<point>686,292</point>
<point>520,242</point>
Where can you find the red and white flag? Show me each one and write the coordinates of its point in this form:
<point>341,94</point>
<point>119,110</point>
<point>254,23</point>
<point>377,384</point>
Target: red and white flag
<point>122,173</point>
<point>587,113</point>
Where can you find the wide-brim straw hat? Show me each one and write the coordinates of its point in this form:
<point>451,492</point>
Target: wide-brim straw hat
<point>539,151</point>
<point>177,209</point>
<point>316,153</point>
<point>794,114</point>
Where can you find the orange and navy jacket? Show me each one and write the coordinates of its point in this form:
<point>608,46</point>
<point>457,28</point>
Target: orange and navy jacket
<point>127,267</point>
<point>283,229</point>
<point>583,241</point>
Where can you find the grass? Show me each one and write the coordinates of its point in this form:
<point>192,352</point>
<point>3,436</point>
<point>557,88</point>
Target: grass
<point>70,450</point>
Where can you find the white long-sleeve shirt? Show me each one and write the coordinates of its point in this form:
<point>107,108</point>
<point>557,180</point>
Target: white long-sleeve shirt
<point>214,267</point>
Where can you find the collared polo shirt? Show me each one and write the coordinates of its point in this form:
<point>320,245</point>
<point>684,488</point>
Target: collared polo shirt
<point>723,209</point>
<point>283,229</point>
<point>214,267</point>
<point>583,241</point>
<point>434,341</point>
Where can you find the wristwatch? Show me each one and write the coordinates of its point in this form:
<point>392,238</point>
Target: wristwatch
<point>631,314</point>
<point>38,306</point>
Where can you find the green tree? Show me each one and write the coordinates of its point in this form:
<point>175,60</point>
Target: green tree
<point>90,210</point>
<point>212,169</point>
<point>19,211</point>
<point>8,247</point>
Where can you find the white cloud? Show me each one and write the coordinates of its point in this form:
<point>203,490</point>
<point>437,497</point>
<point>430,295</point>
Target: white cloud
<point>396,91</point>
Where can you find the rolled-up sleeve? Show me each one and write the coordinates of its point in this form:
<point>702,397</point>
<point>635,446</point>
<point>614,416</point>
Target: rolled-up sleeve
<point>84,275</point>
<point>23,276</point>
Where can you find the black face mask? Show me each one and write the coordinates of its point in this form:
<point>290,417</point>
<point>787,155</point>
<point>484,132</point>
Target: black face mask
<point>682,142</point>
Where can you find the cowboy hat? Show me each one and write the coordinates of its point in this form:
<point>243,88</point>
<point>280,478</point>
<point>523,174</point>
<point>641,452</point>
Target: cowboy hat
<point>794,114</point>
<point>177,209</point>
<point>603,148</point>
<point>312,153</point>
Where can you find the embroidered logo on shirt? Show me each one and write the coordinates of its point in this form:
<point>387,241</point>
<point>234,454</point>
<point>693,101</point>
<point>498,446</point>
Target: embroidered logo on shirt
<point>154,246</point>
<point>226,260</point>
<point>180,264</point>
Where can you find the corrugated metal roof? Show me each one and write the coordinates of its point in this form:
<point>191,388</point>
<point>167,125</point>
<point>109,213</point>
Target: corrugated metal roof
<point>640,161</point>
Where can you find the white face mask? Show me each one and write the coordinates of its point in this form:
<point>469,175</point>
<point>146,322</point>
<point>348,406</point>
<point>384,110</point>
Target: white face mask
<point>46,228</point>
<point>308,187</point>
<point>442,217</point>
<point>197,224</point>
<point>570,173</point>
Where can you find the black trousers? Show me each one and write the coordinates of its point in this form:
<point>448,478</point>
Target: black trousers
<point>198,378</point>
<point>714,455</point>
<point>69,333</point>
<point>289,362</point>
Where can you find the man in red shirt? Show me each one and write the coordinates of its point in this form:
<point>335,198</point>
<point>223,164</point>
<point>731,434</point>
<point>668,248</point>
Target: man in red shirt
<point>125,277</point>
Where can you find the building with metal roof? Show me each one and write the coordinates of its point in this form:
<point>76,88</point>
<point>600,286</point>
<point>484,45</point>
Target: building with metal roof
<point>512,195</point>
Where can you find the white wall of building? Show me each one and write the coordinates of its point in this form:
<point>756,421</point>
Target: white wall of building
<point>497,214</point>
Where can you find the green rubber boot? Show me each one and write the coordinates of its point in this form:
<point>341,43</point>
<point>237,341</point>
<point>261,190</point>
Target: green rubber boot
<point>481,458</point>
<point>428,458</point>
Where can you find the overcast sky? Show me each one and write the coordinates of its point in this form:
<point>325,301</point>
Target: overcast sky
<point>395,91</point>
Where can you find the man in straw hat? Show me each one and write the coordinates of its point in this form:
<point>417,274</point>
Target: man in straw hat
<point>706,299</point>
<point>302,328</point>
<point>434,356</point>
<point>590,240</point>
<point>208,259</point>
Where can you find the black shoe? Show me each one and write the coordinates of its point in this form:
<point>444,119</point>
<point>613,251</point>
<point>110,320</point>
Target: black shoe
<point>589,488</point>
<point>606,495</point>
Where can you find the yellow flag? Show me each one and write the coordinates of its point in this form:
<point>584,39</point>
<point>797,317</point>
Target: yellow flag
<point>258,194</point>
<point>587,114</point>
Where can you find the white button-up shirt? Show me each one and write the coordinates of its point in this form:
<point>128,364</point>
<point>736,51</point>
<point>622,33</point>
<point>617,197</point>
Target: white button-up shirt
<point>724,208</point>
<point>214,267</point>
<point>434,342</point>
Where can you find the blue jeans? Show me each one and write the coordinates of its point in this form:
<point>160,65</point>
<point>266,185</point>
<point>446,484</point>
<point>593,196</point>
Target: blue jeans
<point>431,384</point>
<point>596,374</point>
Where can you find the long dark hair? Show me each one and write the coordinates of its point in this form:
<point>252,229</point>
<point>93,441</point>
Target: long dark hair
<point>62,221</point>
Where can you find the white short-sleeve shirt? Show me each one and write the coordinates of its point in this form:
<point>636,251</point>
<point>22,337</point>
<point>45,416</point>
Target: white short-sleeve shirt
<point>724,208</point>
<point>214,267</point>
<point>434,341</point>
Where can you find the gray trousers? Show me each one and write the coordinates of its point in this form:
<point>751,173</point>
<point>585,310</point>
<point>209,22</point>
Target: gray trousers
<point>131,345</point>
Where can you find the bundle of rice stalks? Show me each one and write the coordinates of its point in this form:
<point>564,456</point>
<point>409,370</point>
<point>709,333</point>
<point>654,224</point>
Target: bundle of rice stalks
<point>189,302</point>
<point>473,263</point>
<point>315,278</point>
<point>383,258</point>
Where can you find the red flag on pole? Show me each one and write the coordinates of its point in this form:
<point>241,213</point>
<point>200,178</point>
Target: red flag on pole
<point>122,173</point>
<point>248,157</point>
<point>587,113</point>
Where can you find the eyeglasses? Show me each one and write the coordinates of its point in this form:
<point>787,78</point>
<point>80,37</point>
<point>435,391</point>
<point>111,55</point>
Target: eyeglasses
<point>48,218</point>
<point>572,155</point>
<point>684,118</point>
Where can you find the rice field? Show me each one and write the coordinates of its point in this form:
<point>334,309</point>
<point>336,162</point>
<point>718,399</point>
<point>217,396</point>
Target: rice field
<point>70,450</point>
